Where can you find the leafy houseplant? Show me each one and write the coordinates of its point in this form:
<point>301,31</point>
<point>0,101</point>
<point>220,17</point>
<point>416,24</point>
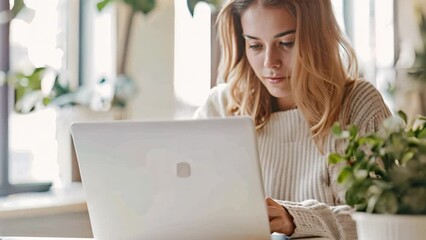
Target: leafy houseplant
<point>28,86</point>
<point>385,172</point>
<point>30,95</point>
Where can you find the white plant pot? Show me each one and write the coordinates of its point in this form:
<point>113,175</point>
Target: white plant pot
<point>390,227</point>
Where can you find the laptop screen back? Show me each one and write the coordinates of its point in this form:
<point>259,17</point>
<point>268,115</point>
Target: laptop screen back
<point>187,179</point>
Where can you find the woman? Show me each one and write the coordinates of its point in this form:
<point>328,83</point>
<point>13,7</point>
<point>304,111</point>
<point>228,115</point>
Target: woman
<point>288,66</point>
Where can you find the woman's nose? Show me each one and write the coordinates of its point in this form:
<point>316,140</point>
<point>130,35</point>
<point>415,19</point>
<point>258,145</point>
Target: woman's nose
<point>272,60</point>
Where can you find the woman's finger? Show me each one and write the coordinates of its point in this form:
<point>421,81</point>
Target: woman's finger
<point>274,212</point>
<point>271,202</point>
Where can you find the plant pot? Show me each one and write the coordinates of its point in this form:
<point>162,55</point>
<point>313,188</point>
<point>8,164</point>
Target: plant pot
<point>390,227</point>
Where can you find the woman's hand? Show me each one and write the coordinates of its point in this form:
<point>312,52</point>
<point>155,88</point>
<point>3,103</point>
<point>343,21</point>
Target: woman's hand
<point>280,220</point>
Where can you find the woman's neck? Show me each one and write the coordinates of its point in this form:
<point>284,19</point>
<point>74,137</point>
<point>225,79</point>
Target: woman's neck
<point>283,104</point>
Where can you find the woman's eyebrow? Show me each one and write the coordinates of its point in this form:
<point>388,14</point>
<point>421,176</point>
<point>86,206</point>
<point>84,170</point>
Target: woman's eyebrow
<point>285,33</point>
<point>275,36</point>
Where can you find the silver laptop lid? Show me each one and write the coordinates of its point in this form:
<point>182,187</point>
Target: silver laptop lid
<point>187,179</point>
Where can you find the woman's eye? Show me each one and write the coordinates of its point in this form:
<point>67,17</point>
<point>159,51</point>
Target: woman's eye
<point>287,44</point>
<point>255,46</point>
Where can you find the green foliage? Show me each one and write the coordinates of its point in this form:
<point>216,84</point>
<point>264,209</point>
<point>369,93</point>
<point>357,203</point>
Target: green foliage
<point>191,4</point>
<point>385,172</point>
<point>18,5</point>
<point>29,95</point>
<point>144,6</point>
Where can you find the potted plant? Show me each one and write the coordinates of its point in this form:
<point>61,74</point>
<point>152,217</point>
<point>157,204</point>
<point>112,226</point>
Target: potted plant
<point>32,92</point>
<point>384,175</point>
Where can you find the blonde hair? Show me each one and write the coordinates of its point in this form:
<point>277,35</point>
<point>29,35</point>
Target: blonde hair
<point>320,76</point>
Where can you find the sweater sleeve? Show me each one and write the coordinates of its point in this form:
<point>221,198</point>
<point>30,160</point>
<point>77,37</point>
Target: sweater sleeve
<point>215,104</point>
<point>313,218</point>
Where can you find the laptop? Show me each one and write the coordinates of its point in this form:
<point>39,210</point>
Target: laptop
<point>180,180</point>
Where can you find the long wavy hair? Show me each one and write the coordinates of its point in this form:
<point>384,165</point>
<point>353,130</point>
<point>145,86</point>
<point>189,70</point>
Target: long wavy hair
<point>324,66</point>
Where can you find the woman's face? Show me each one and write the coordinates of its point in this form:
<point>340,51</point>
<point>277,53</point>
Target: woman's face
<point>270,35</point>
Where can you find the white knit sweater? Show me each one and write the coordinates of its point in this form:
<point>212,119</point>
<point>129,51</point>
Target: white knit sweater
<point>295,173</point>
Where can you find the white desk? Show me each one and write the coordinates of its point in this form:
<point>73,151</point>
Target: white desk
<point>58,213</point>
<point>41,213</point>
<point>39,238</point>
<point>31,238</point>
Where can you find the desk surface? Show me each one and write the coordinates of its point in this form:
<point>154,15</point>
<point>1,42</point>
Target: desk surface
<point>70,199</point>
<point>274,237</point>
<point>66,200</point>
<point>37,238</point>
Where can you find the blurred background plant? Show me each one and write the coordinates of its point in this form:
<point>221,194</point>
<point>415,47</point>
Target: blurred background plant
<point>396,185</point>
<point>43,86</point>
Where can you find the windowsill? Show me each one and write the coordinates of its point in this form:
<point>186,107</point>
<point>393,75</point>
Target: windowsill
<point>57,201</point>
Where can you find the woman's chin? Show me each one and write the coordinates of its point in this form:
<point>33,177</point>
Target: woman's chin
<point>279,92</point>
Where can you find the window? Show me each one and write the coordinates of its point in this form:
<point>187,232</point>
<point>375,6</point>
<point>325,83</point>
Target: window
<point>370,27</point>
<point>37,39</point>
<point>76,40</point>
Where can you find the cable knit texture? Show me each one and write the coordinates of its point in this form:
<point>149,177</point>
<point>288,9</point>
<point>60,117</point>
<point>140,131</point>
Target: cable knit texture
<point>295,173</point>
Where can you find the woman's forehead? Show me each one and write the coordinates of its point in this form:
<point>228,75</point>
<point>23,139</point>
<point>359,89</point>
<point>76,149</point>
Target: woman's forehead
<point>260,21</point>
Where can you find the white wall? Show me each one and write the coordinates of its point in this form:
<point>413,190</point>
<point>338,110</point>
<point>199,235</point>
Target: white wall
<point>192,54</point>
<point>151,63</point>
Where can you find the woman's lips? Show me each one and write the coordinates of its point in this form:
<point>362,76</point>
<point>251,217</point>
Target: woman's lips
<point>276,80</point>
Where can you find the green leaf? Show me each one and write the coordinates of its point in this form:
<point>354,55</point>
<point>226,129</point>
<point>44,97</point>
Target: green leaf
<point>403,116</point>
<point>387,203</point>
<point>406,157</point>
<point>144,6</point>
<point>18,5</point>
<point>360,207</point>
<point>334,158</point>
<point>102,4</point>
<point>422,133</point>
<point>38,70</point>
<point>336,129</point>
<point>27,85</point>
<point>353,131</point>
<point>361,174</point>
<point>338,132</point>
<point>345,175</point>
<point>372,203</point>
<point>46,101</point>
